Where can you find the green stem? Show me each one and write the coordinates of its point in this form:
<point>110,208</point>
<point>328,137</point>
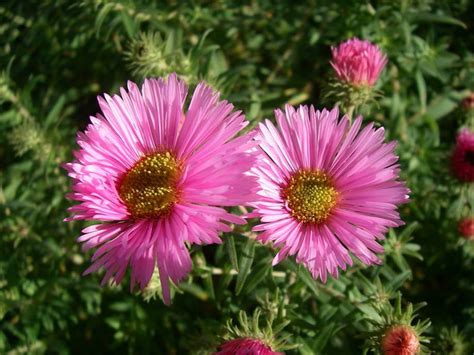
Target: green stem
<point>349,112</point>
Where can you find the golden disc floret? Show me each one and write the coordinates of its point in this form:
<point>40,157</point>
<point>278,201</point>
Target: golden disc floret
<point>310,196</point>
<point>149,188</point>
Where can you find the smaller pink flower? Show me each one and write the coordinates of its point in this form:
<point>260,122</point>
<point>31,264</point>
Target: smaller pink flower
<point>245,346</point>
<point>466,228</point>
<point>358,62</point>
<point>400,340</point>
<point>328,189</point>
<point>462,160</point>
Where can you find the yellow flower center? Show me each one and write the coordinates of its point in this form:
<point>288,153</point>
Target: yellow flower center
<point>310,196</point>
<point>149,188</point>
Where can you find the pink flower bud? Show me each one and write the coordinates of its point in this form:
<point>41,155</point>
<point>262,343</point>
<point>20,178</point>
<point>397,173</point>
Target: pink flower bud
<point>466,228</point>
<point>358,62</point>
<point>400,340</point>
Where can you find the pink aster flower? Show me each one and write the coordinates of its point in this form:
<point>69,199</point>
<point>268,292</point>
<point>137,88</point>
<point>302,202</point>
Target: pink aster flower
<point>358,62</point>
<point>245,346</point>
<point>326,189</point>
<point>155,176</point>
<point>462,160</point>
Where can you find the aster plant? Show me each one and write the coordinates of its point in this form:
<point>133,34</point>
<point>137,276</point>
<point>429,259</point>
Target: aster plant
<point>178,197</point>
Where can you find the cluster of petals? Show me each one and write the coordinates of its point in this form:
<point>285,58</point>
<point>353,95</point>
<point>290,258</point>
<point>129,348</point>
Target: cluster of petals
<point>462,161</point>
<point>245,346</point>
<point>363,171</point>
<point>214,162</point>
<point>358,62</point>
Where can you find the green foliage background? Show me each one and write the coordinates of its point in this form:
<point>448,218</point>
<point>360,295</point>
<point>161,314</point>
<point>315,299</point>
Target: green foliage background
<point>57,56</point>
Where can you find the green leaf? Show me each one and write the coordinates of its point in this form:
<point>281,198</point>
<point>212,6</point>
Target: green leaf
<point>231,250</point>
<point>113,322</point>
<point>322,338</point>
<point>54,113</point>
<point>209,283</point>
<point>369,311</point>
<point>263,268</point>
<point>399,280</point>
<point>121,306</point>
<point>408,230</point>
<point>194,290</point>
<point>245,264</point>
<point>129,24</point>
<point>440,106</point>
<point>400,260</point>
<point>308,280</point>
<point>420,83</point>
<point>437,18</point>
<point>104,11</point>
<point>298,98</point>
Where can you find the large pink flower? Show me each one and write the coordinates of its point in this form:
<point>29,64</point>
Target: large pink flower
<point>358,62</point>
<point>155,175</point>
<point>326,189</point>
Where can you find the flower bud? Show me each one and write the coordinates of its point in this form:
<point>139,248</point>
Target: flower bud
<point>400,340</point>
<point>358,62</point>
<point>466,228</point>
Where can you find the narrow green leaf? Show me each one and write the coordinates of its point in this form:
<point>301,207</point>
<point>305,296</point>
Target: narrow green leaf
<point>53,114</point>
<point>437,18</point>
<point>245,264</point>
<point>129,24</point>
<point>102,15</point>
<point>369,311</point>
<point>232,251</point>
<point>400,261</point>
<point>195,290</point>
<point>399,280</point>
<point>440,106</point>
<point>255,278</point>
<point>298,98</point>
<point>322,338</point>
<point>209,283</point>
<point>421,85</point>
<point>308,280</point>
<point>408,230</point>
